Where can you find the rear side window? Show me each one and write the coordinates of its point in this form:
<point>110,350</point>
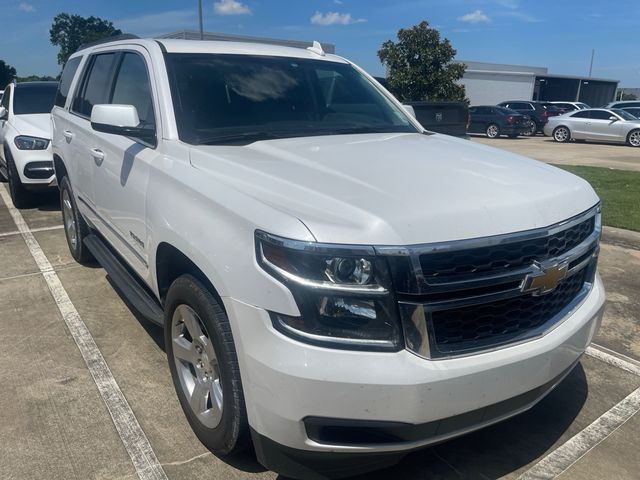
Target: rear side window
<point>65,81</point>
<point>96,85</point>
<point>581,114</point>
<point>132,87</point>
<point>600,115</point>
<point>520,106</point>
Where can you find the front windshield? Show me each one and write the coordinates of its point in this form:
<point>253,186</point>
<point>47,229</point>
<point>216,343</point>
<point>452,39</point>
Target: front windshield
<point>223,98</point>
<point>31,99</point>
<point>624,115</point>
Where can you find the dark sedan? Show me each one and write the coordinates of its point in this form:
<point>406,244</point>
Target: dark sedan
<point>538,111</point>
<point>495,121</point>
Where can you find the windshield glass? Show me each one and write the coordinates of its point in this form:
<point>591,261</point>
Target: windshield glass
<point>29,99</point>
<point>625,115</point>
<point>221,98</point>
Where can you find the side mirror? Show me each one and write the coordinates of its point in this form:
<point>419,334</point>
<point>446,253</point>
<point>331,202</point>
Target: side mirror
<point>121,120</point>
<point>4,114</point>
<point>613,119</point>
<point>409,109</point>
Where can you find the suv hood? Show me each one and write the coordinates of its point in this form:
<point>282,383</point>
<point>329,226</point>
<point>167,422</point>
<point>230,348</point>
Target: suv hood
<point>398,189</point>
<point>36,125</point>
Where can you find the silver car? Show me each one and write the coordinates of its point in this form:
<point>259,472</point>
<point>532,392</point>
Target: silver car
<point>597,124</point>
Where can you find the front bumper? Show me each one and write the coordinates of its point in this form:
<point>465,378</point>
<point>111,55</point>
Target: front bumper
<point>287,382</point>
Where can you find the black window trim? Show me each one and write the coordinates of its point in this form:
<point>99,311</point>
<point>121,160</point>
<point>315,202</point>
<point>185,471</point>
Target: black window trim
<point>119,55</point>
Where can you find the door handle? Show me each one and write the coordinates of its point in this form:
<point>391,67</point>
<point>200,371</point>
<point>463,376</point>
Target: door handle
<point>68,134</point>
<point>97,154</point>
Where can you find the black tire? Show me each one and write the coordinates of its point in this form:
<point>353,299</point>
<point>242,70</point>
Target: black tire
<point>20,196</point>
<point>492,131</point>
<point>561,134</point>
<point>231,434</point>
<point>71,215</point>
<point>633,139</point>
<point>533,129</point>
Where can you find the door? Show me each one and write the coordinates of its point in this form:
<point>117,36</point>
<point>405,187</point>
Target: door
<point>6,100</point>
<point>121,176</point>
<point>602,128</point>
<point>579,123</point>
<point>94,90</point>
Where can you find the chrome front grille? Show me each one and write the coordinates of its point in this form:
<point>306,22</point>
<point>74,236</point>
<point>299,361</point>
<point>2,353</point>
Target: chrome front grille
<point>475,295</point>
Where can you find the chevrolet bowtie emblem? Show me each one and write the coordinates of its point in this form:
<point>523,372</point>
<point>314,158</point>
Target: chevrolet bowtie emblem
<point>544,278</point>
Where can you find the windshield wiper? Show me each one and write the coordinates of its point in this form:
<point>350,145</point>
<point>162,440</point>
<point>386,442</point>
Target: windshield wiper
<point>244,138</point>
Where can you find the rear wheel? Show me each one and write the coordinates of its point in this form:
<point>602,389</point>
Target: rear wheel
<point>493,131</point>
<point>20,196</point>
<point>204,366</point>
<point>561,134</point>
<point>633,138</point>
<point>75,228</point>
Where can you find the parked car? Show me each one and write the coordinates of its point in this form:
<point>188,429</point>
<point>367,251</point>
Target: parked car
<point>539,112</point>
<point>26,160</point>
<point>495,121</point>
<point>567,107</point>
<point>635,111</point>
<point>596,124</point>
<point>623,104</point>
<point>336,284</point>
<point>449,118</point>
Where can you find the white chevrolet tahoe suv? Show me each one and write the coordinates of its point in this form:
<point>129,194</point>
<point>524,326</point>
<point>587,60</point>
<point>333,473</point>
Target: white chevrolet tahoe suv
<point>25,139</point>
<point>336,285</point>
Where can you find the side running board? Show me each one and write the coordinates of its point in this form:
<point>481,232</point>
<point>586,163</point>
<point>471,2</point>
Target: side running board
<point>135,294</point>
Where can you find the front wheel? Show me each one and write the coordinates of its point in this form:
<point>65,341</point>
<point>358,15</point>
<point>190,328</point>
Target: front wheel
<point>204,366</point>
<point>493,131</point>
<point>561,134</point>
<point>20,196</point>
<point>633,138</point>
<point>75,228</point>
<point>531,130</point>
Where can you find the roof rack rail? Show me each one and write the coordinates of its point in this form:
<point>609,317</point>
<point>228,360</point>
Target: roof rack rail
<point>115,38</point>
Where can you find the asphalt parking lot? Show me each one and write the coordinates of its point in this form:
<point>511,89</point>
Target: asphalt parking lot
<point>54,423</point>
<point>548,150</point>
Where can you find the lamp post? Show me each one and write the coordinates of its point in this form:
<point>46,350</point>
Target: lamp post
<point>200,19</point>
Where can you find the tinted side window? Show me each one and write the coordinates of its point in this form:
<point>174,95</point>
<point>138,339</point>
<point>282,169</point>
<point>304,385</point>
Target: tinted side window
<point>6,98</point>
<point>96,85</point>
<point>580,114</point>
<point>65,81</point>
<point>132,87</point>
<point>600,115</point>
<point>520,106</point>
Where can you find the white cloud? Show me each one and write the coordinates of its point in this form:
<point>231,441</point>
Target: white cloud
<point>26,7</point>
<point>334,18</point>
<point>231,7</point>
<point>475,17</point>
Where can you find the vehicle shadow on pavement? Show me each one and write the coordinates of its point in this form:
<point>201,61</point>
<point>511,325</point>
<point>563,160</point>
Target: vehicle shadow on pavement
<point>502,448</point>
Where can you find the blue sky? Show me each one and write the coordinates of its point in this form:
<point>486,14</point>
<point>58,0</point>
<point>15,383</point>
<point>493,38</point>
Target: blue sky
<point>557,34</point>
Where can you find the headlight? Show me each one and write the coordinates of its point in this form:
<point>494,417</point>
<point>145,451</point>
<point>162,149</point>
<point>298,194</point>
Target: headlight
<point>343,293</point>
<point>24,142</point>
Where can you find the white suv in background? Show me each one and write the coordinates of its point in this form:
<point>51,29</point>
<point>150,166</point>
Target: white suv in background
<point>336,285</point>
<point>26,160</point>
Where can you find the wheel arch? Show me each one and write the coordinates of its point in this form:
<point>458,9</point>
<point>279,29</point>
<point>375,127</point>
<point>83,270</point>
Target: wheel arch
<point>171,263</point>
<point>59,168</point>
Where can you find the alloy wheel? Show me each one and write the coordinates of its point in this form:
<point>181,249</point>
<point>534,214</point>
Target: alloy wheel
<point>561,134</point>
<point>492,131</point>
<point>634,138</point>
<point>197,366</point>
<point>69,220</point>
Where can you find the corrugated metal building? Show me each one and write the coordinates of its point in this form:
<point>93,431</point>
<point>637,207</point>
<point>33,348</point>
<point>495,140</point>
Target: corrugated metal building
<point>491,83</point>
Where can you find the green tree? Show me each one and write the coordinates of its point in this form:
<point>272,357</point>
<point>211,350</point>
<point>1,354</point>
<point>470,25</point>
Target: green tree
<point>7,73</point>
<point>628,96</point>
<point>70,31</point>
<point>420,66</point>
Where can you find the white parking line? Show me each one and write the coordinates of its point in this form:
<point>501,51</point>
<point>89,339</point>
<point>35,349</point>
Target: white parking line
<point>133,437</point>
<point>614,358</point>
<point>579,445</point>
<point>41,229</point>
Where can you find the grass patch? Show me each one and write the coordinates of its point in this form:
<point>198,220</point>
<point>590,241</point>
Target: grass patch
<point>619,191</point>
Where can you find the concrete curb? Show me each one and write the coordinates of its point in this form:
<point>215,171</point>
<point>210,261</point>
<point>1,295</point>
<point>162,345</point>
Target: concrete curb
<point>621,237</point>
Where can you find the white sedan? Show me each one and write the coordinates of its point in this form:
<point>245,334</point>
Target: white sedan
<point>596,124</point>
